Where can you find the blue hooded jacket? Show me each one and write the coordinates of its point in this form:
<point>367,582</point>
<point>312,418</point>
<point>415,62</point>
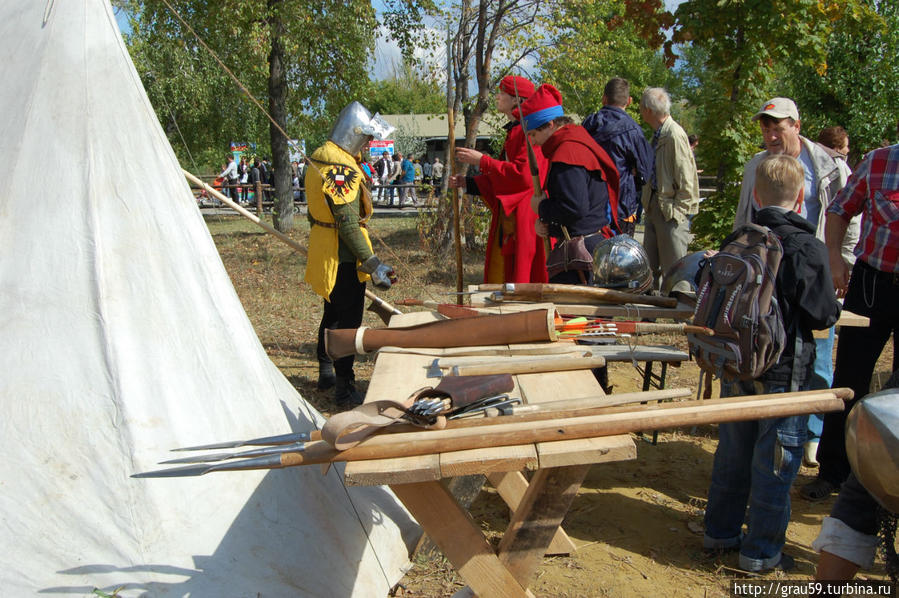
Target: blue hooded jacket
<point>616,132</point>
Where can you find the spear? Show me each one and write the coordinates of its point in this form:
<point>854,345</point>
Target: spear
<point>510,431</point>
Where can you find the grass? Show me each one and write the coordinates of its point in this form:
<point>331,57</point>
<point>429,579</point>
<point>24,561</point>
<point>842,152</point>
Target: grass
<point>268,277</point>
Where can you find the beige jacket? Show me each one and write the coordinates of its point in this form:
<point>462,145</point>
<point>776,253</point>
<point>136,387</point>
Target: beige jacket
<point>677,182</point>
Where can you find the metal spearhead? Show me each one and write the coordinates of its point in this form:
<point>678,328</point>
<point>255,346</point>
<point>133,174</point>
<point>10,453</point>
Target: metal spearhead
<point>265,440</point>
<point>260,452</point>
<point>268,462</point>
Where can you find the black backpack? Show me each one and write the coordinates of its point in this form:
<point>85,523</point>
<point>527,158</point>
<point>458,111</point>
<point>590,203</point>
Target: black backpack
<point>736,299</point>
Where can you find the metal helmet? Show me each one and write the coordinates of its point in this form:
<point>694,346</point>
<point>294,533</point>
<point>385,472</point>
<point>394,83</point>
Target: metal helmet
<point>355,127</point>
<point>621,263</point>
<point>681,276</point>
<point>872,445</point>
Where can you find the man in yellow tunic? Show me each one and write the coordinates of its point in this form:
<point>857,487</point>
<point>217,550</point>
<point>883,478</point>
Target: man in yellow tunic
<point>341,259</point>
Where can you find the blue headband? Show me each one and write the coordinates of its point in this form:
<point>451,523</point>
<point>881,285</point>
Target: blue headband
<point>541,117</point>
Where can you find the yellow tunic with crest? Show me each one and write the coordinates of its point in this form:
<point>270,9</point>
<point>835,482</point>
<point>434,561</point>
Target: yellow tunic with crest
<point>335,175</point>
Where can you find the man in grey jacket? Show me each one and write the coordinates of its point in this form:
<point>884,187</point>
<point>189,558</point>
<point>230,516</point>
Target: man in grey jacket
<point>672,195</point>
<point>824,177</point>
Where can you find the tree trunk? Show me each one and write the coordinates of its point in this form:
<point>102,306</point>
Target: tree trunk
<point>277,105</point>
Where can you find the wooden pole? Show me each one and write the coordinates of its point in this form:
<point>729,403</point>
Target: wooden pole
<point>270,229</point>
<point>692,413</point>
<point>451,162</point>
<point>572,293</point>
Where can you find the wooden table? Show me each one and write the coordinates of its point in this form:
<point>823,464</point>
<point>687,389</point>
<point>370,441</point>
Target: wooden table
<point>538,506</point>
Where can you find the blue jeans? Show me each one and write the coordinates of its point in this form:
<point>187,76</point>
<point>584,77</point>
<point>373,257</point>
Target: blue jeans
<point>755,464</point>
<point>821,378</point>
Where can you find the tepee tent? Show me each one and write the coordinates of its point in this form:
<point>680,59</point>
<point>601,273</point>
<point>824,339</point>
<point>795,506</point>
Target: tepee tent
<point>121,338</point>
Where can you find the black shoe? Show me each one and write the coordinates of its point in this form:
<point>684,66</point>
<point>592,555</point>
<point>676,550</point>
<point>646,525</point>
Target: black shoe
<point>346,395</point>
<point>326,377</point>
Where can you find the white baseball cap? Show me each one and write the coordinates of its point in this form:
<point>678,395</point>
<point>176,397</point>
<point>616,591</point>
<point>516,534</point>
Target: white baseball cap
<point>778,108</point>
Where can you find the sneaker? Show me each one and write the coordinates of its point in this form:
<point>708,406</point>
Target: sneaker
<point>785,564</point>
<point>810,454</point>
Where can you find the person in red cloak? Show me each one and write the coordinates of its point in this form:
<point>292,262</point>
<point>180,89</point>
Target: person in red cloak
<point>581,188</point>
<point>514,253</point>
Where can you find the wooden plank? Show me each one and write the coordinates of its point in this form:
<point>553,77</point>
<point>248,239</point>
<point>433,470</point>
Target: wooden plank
<point>537,518</point>
<point>460,539</point>
<point>512,487</point>
<point>629,312</point>
<point>464,489</point>
<point>683,311</point>
<point>586,451</point>
<point>400,470</point>
<point>609,352</point>
<point>501,459</point>
<point>847,318</point>
<point>542,388</point>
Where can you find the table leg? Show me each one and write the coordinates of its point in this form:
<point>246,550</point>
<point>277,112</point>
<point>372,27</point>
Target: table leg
<point>534,523</point>
<point>512,486</point>
<point>461,540</point>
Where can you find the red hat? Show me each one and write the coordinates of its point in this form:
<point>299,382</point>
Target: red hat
<point>542,107</point>
<point>515,85</point>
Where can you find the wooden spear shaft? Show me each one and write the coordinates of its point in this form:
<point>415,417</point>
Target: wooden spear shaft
<point>268,228</point>
<point>570,293</point>
<point>386,446</point>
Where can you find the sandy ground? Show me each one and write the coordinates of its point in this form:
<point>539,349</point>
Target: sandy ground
<point>638,524</point>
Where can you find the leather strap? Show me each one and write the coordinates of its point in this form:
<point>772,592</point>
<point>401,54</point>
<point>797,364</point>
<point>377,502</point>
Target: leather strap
<point>346,430</point>
<point>360,334</point>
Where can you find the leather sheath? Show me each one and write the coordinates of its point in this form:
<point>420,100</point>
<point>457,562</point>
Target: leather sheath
<point>465,390</point>
<point>346,430</point>
<point>495,329</point>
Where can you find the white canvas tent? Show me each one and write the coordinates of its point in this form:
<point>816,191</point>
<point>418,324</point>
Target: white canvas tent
<point>121,338</point>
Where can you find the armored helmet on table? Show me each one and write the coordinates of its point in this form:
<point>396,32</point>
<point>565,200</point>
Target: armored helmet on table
<point>620,262</point>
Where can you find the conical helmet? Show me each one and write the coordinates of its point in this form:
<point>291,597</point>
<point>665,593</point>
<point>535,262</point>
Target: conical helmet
<point>355,127</point>
<point>621,263</point>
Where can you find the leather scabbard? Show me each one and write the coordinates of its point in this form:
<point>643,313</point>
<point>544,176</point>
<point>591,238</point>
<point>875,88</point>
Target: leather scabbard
<point>500,329</point>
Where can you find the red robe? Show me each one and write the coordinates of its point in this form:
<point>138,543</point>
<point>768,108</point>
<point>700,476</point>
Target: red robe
<point>505,186</point>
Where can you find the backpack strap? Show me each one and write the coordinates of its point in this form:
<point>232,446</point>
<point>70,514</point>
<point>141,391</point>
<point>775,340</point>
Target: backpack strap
<point>795,372</point>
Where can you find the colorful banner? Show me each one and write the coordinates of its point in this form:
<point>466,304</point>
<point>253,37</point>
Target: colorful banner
<point>377,148</point>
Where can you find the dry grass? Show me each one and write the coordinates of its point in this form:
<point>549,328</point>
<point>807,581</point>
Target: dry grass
<point>633,521</point>
<point>268,277</point>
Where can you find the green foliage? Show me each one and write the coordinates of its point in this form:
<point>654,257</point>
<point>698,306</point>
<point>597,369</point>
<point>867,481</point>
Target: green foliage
<point>326,46</point>
<point>857,90</point>
<point>593,42</point>
<point>735,51</point>
<point>408,91</point>
<point>715,218</point>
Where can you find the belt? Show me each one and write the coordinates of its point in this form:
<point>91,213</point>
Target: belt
<point>315,222</point>
<point>882,277</point>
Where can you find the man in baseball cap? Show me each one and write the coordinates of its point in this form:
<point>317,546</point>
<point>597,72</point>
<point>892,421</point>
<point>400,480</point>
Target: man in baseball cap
<point>779,121</point>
